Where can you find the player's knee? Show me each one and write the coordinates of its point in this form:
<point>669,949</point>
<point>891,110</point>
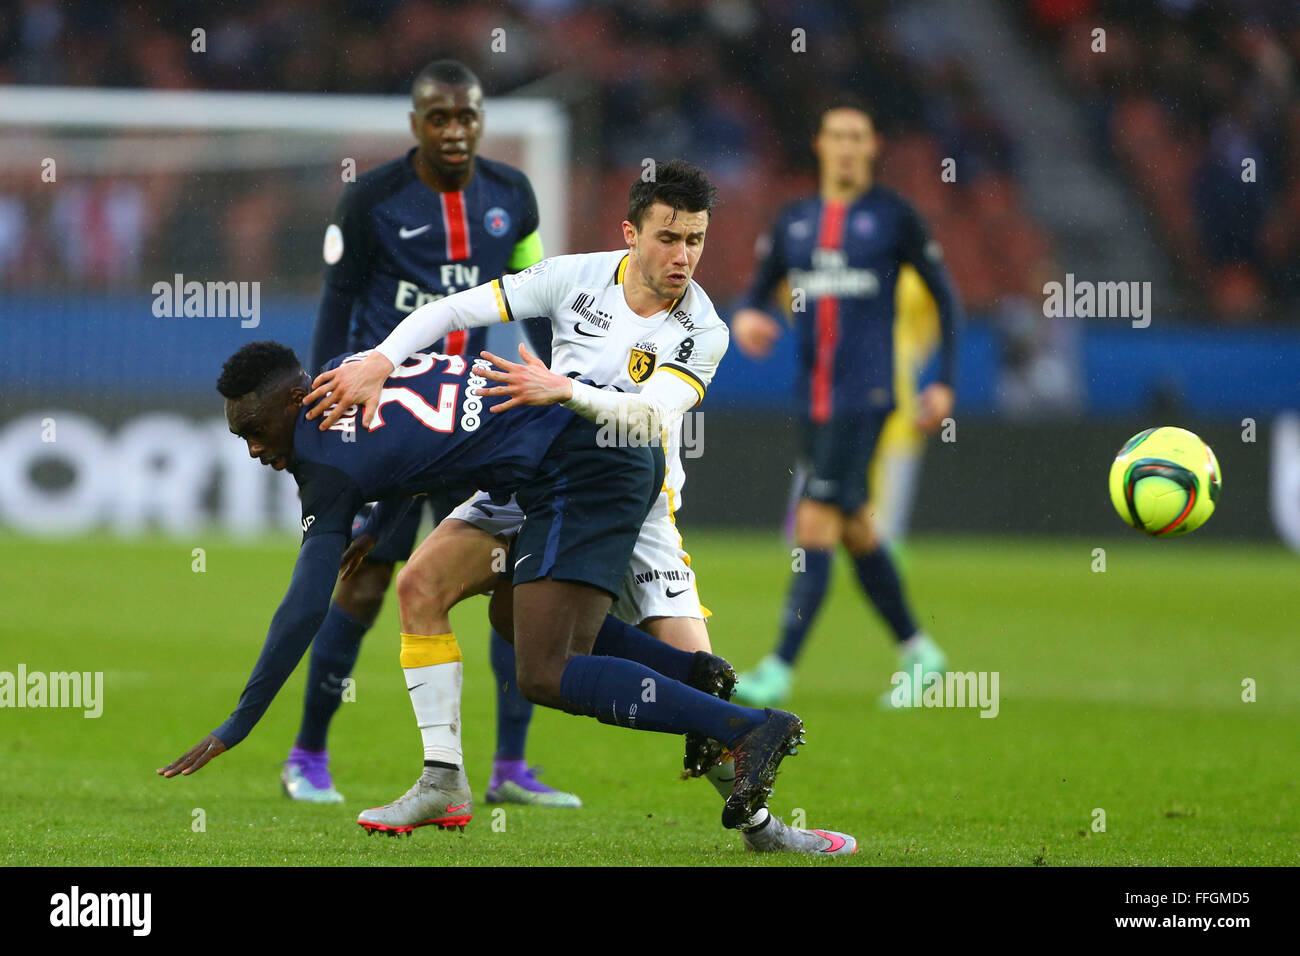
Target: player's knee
<point>818,526</point>
<point>860,534</point>
<point>362,594</point>
<point>539,685</point>
<point>531,687</point>
<point>422,586</point>
<point>684,633</point>
<point>414,591</point>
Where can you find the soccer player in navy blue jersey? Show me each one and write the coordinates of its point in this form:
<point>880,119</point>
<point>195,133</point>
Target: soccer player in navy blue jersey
<point>839,255</point>
<point>435,221</point>
<point>633,319</point>
<point>435,426</point>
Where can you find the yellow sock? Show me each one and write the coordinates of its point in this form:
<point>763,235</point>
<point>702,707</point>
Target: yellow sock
<point>424,650</point>
<point>432,666</point>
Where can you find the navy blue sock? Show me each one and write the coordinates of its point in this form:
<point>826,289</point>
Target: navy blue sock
<point>880,581</point>
<point>628,694</point>
<point>803,602</point>
<point>333,655</point>
<point>514,714</point>
<point>617,639</point>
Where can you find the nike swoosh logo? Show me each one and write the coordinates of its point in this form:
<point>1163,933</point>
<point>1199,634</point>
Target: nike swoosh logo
<point>673,594</point>
<point>837,841</point>
<point>421,684</point>
<point>523,559</point>
<point>405,233</point>
<point>464,805</point>
<point>577,327</point>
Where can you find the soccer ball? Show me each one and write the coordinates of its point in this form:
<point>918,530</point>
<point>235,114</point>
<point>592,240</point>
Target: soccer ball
<point>1165,481</point>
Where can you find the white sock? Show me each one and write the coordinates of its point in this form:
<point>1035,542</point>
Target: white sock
<point>913,642</point>
<point>723,776</point>
<point>435,697</point>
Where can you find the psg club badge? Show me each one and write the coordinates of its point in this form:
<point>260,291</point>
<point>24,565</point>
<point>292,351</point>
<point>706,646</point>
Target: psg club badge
<point>864,224</point>
<point>497,221</point>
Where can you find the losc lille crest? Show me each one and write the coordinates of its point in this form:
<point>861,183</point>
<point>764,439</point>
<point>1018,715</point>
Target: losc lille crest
<point>640,364</point>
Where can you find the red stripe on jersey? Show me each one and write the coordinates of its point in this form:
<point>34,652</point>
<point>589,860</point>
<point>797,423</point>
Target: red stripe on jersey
<point>830,235</point>
<point>455,225</point>
<point>456,342</point>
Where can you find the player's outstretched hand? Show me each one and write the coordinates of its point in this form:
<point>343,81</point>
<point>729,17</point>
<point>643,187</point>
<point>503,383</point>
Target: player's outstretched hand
<point>194,758</point>
<point>754,331</point>
<point>361,546</point>
<point>531,383</point>
<point>936,403</point>
<point>352,383</point>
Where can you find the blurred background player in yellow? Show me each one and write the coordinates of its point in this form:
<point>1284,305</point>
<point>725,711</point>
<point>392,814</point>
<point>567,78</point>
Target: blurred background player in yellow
<point>895,469</point>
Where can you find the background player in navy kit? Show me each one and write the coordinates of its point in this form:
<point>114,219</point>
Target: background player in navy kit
<point>840,253</point>
<point>433,222</point>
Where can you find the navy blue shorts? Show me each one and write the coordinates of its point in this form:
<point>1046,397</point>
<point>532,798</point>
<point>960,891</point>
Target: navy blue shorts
<point>584,510</point>
<point>836,455</point>
<point>400,542</point>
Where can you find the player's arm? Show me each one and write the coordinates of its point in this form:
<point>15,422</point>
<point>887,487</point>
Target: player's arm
<point>374,529</point>
<point>755,330</point>
<point>299,616</point>
<point>677,386</point>
<point>658,406</point>
<point>360,383</point>
<point>333,317</point>
<point>528,248</point>
<point>347,264</point>
<point>528,251</point>
<point>336,390</point>
<point>537,329</point>
<point>917,248</point>
<point>329,500</point>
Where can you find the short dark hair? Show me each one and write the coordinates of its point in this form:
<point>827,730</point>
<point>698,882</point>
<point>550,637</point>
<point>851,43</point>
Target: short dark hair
<point>845,101</point>
<point>676,183</point>
<point>451,72</point>
<point>255,367</point>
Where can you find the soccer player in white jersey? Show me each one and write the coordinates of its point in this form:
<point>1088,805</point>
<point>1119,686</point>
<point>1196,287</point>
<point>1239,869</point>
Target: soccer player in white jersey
<point>626,322</point>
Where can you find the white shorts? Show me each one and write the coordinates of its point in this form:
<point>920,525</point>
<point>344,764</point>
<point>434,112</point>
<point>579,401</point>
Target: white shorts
<point>659,581</point>
<point>479,511</point>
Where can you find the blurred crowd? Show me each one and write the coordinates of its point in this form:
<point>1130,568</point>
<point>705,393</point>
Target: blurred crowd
<point>720,83</point>
<point>1198,104</point>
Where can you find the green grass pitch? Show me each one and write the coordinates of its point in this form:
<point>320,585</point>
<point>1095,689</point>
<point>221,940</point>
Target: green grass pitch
<point>1120,691</point>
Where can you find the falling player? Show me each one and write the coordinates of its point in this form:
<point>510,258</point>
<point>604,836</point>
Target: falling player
<point>840,253</point>
<point>584,502</point>
<point>634,323</point>
<point>439,219</point>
